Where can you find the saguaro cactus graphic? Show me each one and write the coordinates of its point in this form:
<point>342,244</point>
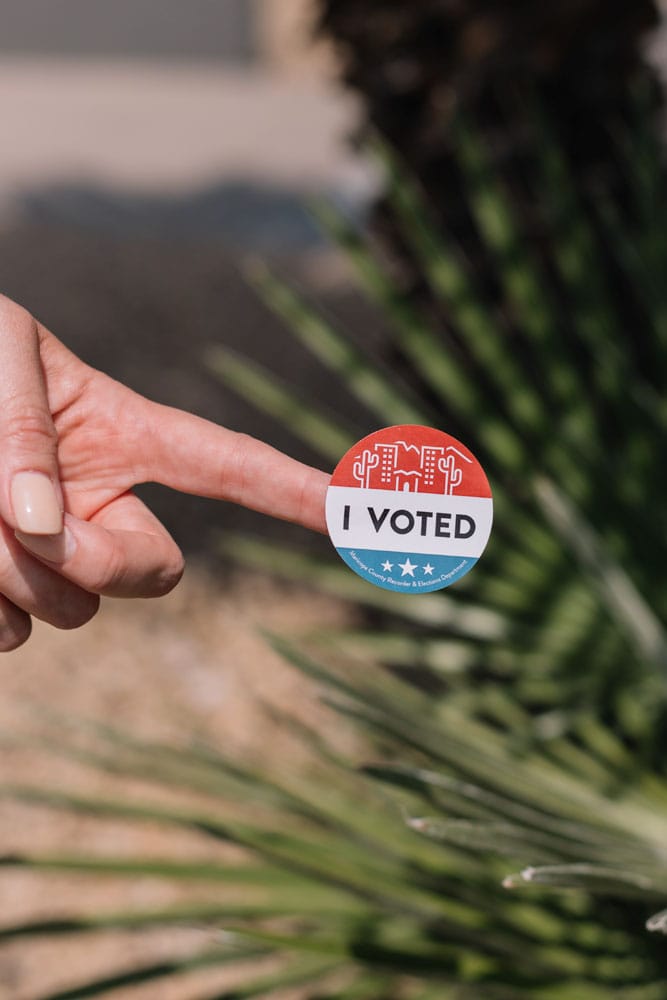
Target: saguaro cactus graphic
<point>363,467</point>
<point>453,475</point>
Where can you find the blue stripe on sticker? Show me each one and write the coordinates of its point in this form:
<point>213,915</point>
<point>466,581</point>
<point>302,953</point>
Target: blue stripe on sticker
<point>410,572</point>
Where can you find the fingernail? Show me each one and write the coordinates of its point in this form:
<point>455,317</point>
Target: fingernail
<point>53,548</point>
<point>35,504</point>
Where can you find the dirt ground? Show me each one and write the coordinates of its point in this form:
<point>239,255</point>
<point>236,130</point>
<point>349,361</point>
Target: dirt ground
<point>130,196</point>
<point>144,308</point>
<point>190,664</point>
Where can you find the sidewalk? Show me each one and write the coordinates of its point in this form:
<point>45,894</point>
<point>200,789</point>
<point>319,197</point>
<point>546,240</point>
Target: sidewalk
<point>167,128</point>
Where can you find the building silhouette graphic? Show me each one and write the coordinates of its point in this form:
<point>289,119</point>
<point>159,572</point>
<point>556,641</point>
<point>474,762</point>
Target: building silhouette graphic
<point>409,468</point>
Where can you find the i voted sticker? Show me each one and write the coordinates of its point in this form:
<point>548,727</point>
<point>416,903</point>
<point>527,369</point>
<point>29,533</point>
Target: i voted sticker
<point>409,509</point>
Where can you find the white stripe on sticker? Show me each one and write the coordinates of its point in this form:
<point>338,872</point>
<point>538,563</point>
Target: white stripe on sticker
<point>424,523</point>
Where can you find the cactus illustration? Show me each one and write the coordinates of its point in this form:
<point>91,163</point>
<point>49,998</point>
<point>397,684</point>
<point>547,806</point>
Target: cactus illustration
<point>453,475</point>
<point>363,467</point>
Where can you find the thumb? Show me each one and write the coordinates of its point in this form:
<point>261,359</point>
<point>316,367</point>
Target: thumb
<point>30,495</point>
<point>196,456</point>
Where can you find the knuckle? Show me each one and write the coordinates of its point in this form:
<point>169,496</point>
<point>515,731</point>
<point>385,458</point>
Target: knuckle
<point>109,571</point>
<point>235,483</point>
<point>28,426</point>
<point>116,575</point>
<point>170,573</point>
<point>246,444</point>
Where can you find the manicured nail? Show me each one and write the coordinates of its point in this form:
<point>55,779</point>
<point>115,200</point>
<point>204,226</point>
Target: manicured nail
<point>53,548</point>
<point>35,504</point>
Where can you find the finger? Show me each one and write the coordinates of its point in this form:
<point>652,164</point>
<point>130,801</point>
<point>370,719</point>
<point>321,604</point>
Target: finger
<point>15,626</point>
<point>196,456</point>
<point>30,497</point>
<point>122,552</point>
<point>38,590</point>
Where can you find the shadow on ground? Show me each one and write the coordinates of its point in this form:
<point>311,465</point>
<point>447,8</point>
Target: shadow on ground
<point>243,215</point>
<point>140,287</point>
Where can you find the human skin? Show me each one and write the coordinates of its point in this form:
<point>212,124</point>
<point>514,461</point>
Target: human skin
<point>85,440</point>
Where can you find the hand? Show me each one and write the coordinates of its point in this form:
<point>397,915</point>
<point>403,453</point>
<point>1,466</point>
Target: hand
<point>75,440</point>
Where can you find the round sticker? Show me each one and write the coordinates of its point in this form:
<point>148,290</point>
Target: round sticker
<point>409,509</point>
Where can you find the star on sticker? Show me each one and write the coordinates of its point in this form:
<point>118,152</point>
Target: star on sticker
<point>428,569</point>
<point>387,566</point>
<point>408,567</point>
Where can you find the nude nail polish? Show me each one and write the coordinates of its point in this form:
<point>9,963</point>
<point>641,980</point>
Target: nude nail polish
<point>54,548</point>
<point>35,504</point>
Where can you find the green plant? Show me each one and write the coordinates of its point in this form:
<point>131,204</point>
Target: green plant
<point>564,409</point>
<point>396,894</point>
<point>503,835</point>
<point>416,65</point>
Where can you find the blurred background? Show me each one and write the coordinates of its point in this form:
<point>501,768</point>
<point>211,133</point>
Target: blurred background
<point>149,148</point>
<point>149,151</point>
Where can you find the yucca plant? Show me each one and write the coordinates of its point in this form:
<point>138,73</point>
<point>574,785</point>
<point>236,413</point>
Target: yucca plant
<point>498,829</point>
<point>395,880</point>
<point>416,64</point>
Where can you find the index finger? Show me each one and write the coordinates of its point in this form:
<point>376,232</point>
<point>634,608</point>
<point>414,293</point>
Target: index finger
<point>196,456</point>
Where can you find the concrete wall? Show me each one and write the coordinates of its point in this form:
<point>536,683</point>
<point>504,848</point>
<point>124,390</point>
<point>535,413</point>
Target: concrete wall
<point>217,29</point>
